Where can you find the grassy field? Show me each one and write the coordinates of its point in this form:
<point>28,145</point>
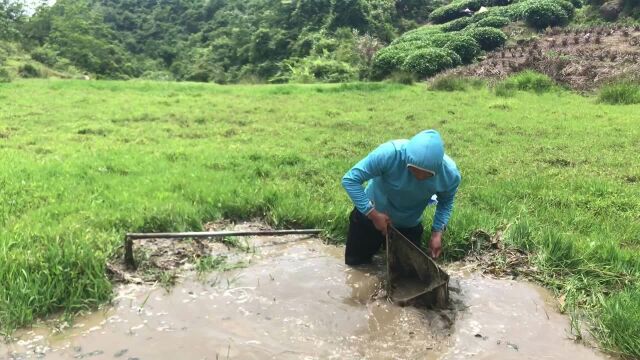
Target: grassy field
<point>84,162</point>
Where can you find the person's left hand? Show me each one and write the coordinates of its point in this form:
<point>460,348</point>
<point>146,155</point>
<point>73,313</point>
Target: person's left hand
<point>435,244</point>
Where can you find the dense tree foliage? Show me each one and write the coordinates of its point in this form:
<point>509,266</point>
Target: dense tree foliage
<point>227,41</point>
<point>11,17</point>
<point>219,40</point>
<point>73,30</point>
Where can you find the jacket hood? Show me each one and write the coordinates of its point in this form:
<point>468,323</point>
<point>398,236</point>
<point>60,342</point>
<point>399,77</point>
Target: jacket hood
<point>425,151</point>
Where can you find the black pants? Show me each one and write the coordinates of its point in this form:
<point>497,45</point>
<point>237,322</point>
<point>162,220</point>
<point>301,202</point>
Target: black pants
<point>364,240</point>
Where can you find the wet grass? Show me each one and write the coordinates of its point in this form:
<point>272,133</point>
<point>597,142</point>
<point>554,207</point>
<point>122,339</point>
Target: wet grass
<point>84,162</point>
<point>167,279</point>
<point>209,263</point>
<point>233,242</point>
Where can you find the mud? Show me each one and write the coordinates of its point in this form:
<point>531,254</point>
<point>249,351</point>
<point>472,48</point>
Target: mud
<point>297,300</point>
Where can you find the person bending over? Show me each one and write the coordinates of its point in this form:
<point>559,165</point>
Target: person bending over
<point>403,177</point>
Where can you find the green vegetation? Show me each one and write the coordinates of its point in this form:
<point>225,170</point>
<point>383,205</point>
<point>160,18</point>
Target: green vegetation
<point>457,24</point>
<point>453,11</point>
<point>525,81</point>
<point>487,37</point>
<point>255,41</point>
<point>493,21</point>
<point>4,76</point>
<point>428,62</point>
<point>167,279</point>
<point>455,83</point>
<point>401,77</point>
<point>621,317</point>
<point>236,243</point>
<point>209,263</point>
<point>540,14</point>
<point>446,49</point>
<point>456,9</point>
<point>222,41</point>
<point>622,92</point>
<point>600,11</point>
<point>537,13</point>
<point>11,17</point>
<point>482,31</point>
<point>143,156</point>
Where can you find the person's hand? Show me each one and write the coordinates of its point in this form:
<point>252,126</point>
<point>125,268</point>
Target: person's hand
<point>435,244</point>
<point>380,220</point>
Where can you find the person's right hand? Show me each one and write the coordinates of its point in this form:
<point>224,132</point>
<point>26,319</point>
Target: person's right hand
<point>380,220</point>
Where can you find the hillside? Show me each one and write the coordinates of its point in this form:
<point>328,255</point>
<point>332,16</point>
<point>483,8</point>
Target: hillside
<point>275,41</point>
<point>463,31</point>
<point>16,62</point>
<point>215,40</point>
<point>580,58</point>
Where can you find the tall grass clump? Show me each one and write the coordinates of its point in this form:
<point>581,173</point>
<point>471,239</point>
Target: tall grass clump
<point>4,76</point>
<point>43,274</point>
<point>623,92</point>
<point>619,326</point>
<point>455,83</point>
<point>527,80</point>
<point>402,77</point>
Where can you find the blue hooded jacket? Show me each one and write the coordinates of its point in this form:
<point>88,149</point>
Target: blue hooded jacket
<point>392,189</point>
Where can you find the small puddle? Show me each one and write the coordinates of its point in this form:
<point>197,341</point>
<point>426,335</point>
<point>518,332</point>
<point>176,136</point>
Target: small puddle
<point>297,300</point>
<point>506,319</point>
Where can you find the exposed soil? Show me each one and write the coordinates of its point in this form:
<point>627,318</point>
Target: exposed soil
<point>158,257</point>
<point>295,299</point>
<point>491,257</point>
<point>582,59</point>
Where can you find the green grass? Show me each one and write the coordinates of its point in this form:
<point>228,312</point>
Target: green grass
<point>527,80</point>
<point>84,162</point>
<point>455,83</point>
<point>621,317</point>
<point>211,263</point>
<point>623,92</point>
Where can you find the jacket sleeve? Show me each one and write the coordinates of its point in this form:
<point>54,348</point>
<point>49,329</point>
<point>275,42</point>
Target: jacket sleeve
<point>445,206</point>
<point>374,165</point>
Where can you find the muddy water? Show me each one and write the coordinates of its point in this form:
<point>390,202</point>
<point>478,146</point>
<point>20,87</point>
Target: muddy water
<point>505,319</point>
<point>298,301</point>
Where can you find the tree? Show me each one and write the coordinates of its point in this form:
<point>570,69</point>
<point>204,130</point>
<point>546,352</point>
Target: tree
<point>77,31</point>
<point>211,40</point>
<point>12,16</point>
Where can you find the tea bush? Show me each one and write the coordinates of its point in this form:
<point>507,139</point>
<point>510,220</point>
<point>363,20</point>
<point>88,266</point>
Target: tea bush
<point>428,62</point>
<point>488,38</point>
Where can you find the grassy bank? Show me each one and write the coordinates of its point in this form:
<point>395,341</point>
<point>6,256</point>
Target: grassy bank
<point>83,162</point>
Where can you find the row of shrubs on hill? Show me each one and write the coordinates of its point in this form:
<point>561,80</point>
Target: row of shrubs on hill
<point>458,38</point>
<point>536,13</point>
<point>429,50</point>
